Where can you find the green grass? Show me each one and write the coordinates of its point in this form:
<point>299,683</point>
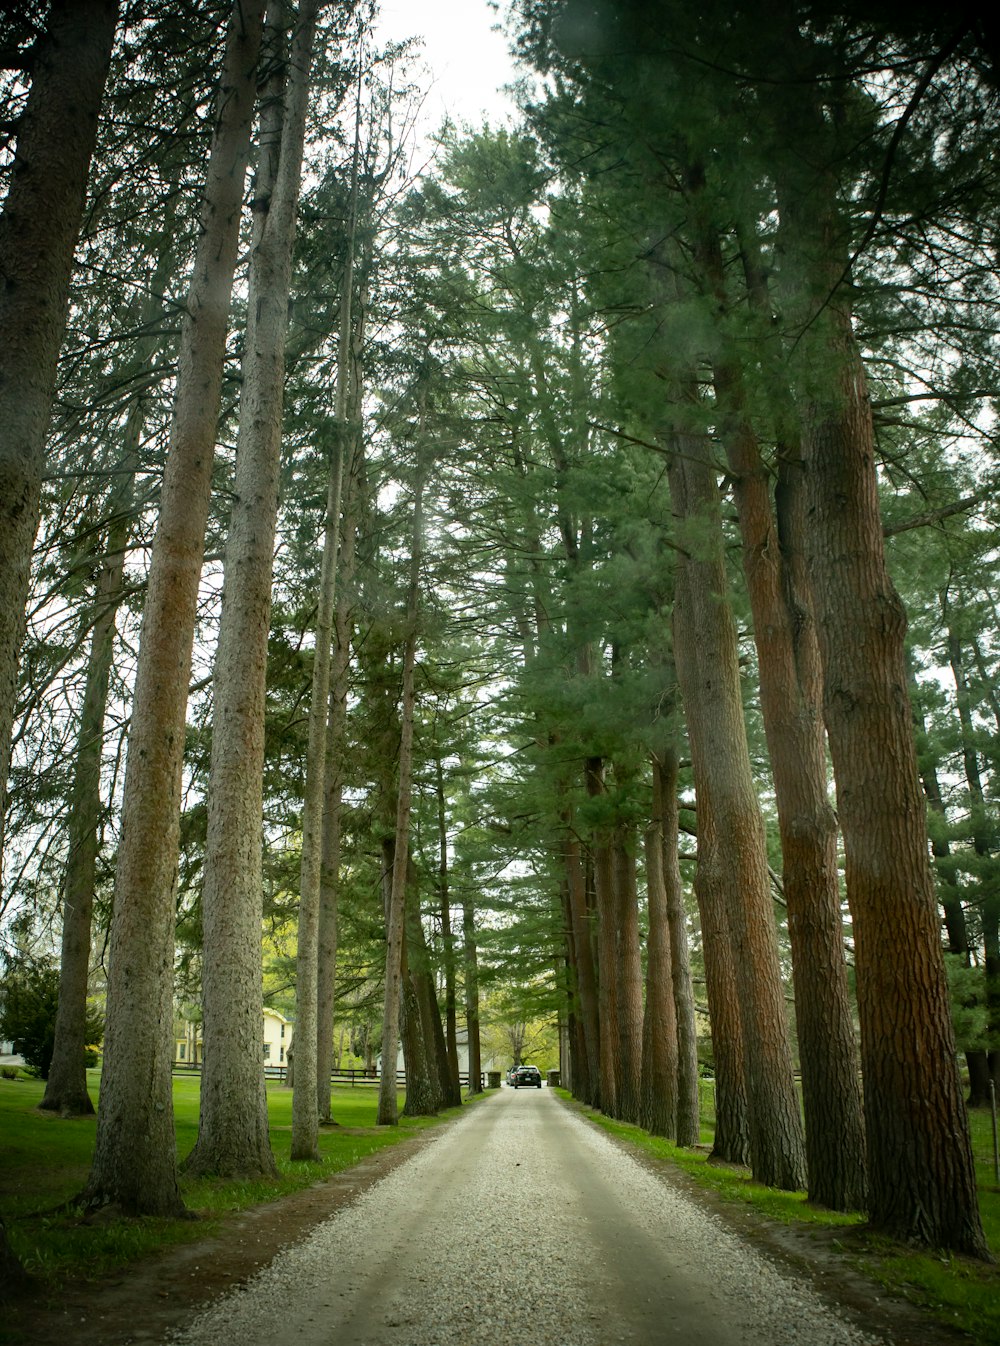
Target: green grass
<point>47,1161</point>
<point>957,1291</point>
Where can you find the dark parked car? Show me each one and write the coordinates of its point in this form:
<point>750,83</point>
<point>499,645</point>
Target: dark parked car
<point>527,1077</point>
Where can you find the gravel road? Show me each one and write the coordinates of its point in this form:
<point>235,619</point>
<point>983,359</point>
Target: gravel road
<point>522,1225</point>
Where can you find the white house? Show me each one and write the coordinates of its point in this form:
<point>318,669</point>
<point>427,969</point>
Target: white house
<point>487,1064</point>
<point>277,1038</point>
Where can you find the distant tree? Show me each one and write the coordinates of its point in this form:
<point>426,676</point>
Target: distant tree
<point>29,1002</point>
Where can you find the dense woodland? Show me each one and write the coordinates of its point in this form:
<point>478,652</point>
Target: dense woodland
<point>558,585</point>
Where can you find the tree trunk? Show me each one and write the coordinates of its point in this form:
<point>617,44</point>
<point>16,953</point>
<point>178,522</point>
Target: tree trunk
<point>607,947</point>
<point>708,674</point>
<point>453,1093</point>
<point>396,912</point>
<point>233,1136</point>
<point>922,1184</point>
<point>666,813</point>
<point>440,1092</point>
<point>421,1098</point>
<point>658,1111</point>
<point>305,1109</point>
<point>470,962</point>
<point>134,1158</point>
<point>326,969</point>
<point>66,1086</point>
<point>55,135</point>
<point>587,1086</point>
<point>629,976</point>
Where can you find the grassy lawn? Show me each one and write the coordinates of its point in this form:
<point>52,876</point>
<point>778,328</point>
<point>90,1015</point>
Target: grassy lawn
<point>958,1292</point>
<point>47,1160</point>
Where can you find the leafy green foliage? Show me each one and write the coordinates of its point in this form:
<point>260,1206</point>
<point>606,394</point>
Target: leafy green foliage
<point>29,1000</point>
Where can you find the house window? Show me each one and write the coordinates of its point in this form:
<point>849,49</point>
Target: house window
<point>181,1050</point>
<point>267,1051</point>
<point>282,1055</point>
<point>282,1030</point>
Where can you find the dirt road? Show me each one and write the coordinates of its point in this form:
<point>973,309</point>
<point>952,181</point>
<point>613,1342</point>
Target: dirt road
<point>521,1223</point>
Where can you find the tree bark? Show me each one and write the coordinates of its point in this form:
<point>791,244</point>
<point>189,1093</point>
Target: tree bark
<point>135,1163</point>
<point>233,1136</point>
<point>56,133</point>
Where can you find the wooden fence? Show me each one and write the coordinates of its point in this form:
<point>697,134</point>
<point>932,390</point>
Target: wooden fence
<point>354,1076</point>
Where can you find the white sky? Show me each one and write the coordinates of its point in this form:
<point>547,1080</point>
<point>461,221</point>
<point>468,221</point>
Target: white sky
<point>468,62</point>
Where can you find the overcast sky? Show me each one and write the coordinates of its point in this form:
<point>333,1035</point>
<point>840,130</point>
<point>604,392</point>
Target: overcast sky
<point>468,61</point>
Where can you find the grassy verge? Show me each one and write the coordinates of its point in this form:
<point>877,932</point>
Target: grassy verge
<point>958,1292</point>
<point>47,1160</point>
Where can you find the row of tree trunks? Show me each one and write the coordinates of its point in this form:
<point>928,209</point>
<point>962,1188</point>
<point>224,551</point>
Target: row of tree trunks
<point>635,1057</point>
<point>729,817</point>
<point>920,1169</point>
<point>791,706</point>
<point>134,1163</point>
